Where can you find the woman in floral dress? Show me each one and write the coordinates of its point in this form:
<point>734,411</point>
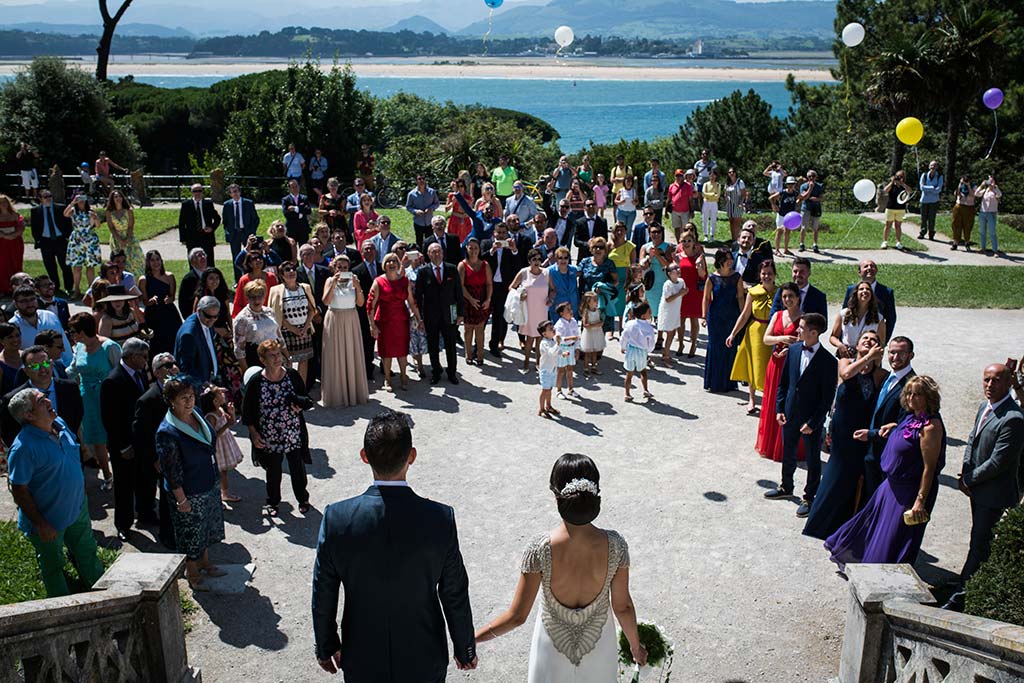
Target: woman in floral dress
<point>83,244</point>
<point>121,221</point>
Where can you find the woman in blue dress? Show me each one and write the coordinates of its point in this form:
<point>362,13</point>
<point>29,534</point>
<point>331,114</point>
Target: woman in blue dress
<point>94,357</point>
<point>723,299</point>
<point>654,258</point>
<point>861,378</point>
<point>598,275</point>
<point>564,282</point>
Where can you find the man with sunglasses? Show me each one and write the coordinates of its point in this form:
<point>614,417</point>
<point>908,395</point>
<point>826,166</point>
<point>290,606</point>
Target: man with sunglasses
<point>589,226</point>
<point>421,202</point>
<point>641,229</point>
<point>50,232</point>
<point>384,240</point>
<point>48,301</point>
<point>63,394</point>
<point>296,209</point>
<point>366,272</point>
<point>197,221</point>
<point>31,321</point>
<point>150,410</point>
<point>193,346</point>
<point>558,219</point>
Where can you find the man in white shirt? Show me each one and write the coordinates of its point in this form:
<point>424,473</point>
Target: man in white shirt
<point>31,321</point>
<point>294,163</point>
<point>520,204</point>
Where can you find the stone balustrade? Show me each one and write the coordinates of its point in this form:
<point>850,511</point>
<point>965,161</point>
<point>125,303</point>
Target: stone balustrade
<point>892,637</point>
<point>128,629</point>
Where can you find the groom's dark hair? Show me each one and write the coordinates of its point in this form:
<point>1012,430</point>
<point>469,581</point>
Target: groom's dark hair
<point>387,442</point>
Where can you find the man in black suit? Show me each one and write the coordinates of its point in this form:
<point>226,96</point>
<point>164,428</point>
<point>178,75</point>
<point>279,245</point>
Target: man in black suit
<point>366,272</point>
<point>197,221</point>
<point>812,299</point>
<point>150,410</point>
<point>50,232</point>
<point>888,410</point>
<point>339,245</point>
<point>393,624</point>
<point>885,296</point>
<point>190,281</point>
<point>296,210</point>
<point>134,487</point>
<point>63,394</point>
<point>240,221</point>
<point>316,277</point>
<point>505,254</point>
<point>991,469</point>
<point>588,227</point>
<point>558,220</point>
<point>439,298</point>
<point>750,252</point>
<point>806,389</point>
<point>451,249</point>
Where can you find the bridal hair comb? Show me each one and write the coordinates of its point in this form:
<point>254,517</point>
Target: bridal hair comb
<point>579,486</point>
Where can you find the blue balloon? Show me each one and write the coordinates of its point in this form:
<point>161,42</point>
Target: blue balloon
<point>493,4</point>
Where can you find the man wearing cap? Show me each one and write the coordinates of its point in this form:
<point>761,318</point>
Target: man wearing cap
<point>421,202</point>
<point>197,220</point>
<point>810,209</point>
<point>503,177</point>
<point>520,204</point>
<point>50,232</point>
<point>655,168</point>
<point>679,195</point>
<point>193,346</point>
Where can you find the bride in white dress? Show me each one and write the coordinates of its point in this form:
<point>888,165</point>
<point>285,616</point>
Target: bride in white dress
<point>582,573</point>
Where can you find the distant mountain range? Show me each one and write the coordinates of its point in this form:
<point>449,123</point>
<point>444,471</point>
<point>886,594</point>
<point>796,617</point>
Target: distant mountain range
<point>650,18</point>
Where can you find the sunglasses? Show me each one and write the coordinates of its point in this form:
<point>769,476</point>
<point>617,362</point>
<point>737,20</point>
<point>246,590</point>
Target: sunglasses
<point>36,367</point>
<point>563,258</point>
<point>168,364</point>
<point>197,191</point>
<point>208,316</point>
<point>288,270</point>
<point>385,222</point>
<point>535,258</point>
<point>598,249</point>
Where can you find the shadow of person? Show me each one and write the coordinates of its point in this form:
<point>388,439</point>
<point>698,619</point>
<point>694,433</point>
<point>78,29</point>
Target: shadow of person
<point>320,468</point>
<point>584,428</point>
<point>656,406</point>
<point>342,416</point>
<point>593,407</point>
<point>298,528</point>
<point>244,620</point>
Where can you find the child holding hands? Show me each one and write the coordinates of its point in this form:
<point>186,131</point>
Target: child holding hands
<point>567,333</point>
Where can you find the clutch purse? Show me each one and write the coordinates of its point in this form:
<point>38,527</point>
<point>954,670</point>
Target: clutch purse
<point>910,521</point>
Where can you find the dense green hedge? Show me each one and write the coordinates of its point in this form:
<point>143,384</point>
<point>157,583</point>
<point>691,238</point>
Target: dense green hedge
<point>996,591</point>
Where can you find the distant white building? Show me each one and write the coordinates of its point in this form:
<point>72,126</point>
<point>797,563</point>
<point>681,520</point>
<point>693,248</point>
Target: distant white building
<point>697,48</point>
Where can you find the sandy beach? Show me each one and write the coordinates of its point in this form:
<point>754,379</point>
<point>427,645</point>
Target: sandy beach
<point>482,68</point>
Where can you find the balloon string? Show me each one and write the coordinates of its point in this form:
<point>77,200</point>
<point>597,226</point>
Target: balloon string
<point>848,232</point>
<point>490,18</point>
<point>995,136</point>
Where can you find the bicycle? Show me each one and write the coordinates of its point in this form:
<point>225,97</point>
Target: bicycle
<point>384,196</point>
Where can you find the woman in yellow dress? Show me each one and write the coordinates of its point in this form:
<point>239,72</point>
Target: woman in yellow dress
<point>121,221</point>
<point>753,354</point>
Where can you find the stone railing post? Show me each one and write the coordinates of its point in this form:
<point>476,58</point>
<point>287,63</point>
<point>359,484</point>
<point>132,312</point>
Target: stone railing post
<point>56,185</point>
<point>863,640</point>
<point>217,185</point>
<point>139,187</point>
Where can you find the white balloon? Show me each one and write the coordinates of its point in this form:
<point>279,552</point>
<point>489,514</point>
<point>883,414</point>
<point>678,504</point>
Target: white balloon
<point>564,36</point>
<point>853,34</point>
<point>864,190</point>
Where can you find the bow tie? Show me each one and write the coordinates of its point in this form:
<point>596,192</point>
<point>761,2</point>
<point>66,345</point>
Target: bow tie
<point>808,349</point>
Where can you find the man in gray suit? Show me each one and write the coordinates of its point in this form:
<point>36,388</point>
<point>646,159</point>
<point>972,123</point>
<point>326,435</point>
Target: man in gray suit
<point>240,221</point>
<point>991,471</point>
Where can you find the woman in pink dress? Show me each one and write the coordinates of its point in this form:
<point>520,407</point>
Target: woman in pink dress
<point>391,299</point>
<point>12,246</point>
<point>487,196</point>
<point>693,270</point>
<point>459,223</point>
<point>781,333</point>
<point>364,222</point>
<point>535,289</point>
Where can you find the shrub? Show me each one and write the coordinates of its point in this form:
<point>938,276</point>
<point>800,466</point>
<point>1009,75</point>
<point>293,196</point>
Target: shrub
<point>996,591</point>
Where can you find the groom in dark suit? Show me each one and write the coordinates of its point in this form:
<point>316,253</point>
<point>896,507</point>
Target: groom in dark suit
<point>806,389</point>
<point>885,296</point>
<point>397,555</point>
<point>439,298</point>
<point>812,299</point>
<point>991,471</point>
<point>197,221</point>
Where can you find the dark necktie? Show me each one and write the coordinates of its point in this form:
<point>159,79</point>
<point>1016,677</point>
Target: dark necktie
<point>808,349</point>
<point>140,383</point>
<point>51,225</point>
<point>199,215</point>
<point>437,273</point>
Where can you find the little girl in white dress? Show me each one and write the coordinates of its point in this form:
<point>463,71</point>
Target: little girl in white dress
<point>592,341</point>
<point>221,416</point>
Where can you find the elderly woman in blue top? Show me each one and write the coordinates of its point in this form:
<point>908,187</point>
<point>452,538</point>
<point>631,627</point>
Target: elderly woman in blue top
<point>185,445</point>
<point>45,474</point>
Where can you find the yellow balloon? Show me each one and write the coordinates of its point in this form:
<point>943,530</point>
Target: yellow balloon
<point>909,131</point>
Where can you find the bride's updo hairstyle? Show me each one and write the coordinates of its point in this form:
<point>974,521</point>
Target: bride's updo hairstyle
<point>575,482</point>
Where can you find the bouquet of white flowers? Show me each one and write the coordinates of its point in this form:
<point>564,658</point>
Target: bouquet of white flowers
<point>660,652</point>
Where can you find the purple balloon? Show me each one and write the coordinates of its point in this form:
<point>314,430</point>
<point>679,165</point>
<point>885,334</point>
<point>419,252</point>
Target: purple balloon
<point>992,98</point>
<point>792,220</point>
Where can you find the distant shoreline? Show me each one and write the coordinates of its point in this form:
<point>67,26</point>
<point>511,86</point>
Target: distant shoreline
<point>510,68</point>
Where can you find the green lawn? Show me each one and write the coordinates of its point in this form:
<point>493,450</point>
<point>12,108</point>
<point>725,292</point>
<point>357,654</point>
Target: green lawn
<point>866,233</point>
<point>1010,240</point>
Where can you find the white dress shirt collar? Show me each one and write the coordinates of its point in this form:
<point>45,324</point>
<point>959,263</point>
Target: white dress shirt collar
<point>391,482</point>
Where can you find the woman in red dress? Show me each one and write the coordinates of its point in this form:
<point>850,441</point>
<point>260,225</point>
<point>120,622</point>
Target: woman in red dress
<point>12,247</point>
<point>476,278</point>
<point>693,270</point>
<point>781,333</point>
<point>390,301</point>
<point>458,222</point>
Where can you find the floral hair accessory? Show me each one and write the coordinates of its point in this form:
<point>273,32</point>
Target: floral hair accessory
<point>579,486</point>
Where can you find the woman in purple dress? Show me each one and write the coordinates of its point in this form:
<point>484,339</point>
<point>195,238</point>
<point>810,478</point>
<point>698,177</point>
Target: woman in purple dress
<point>913,457</point>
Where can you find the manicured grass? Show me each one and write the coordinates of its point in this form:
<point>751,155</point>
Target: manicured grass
<point>1010,240</point>
<point>864,233</point>
<point>19,574</point>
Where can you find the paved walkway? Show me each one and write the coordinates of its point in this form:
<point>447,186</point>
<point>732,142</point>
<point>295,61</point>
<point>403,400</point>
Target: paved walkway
<point>744,595</point>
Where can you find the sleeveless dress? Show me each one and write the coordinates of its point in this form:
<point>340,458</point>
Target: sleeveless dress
<point>227,452</point>
<point>574,645</point>
<point>592,339</point>
<point>691,305</point>
<point>660,277</point>
<point>84,243</point>
<point>769,433</point>
<point>162,318</point>
<point>722,315</point>
<point>135,261</point>
<point>834,501</point>
<point>536,287</point>
<point>566,289</point>
<point>12,252</point>
<point>877,534</point>
<point>123,329</point>
<point>91,369</point>
<point>851,331</point>
<point>476,287</point>
<point>459,223</point>
<point>392,317</point>
<point>753,354</point>
<point>343,365</point>
<point>669,320</point>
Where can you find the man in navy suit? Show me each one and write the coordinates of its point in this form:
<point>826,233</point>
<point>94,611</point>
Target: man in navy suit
<point>50,232</point>
<point>888,410</point>
<point>506,255</point>
<point>806,389</point>
<point>397,556</point>
<point>197,221</point>
<point>884,295</point>
<point>812,299</point>
<point>451,248</point>
<point>240,220</point>
<point>439,298</point>
<point>296,210</point>
<point>193,346</point>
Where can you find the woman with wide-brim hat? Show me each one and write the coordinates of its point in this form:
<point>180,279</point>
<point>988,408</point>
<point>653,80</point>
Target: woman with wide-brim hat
<point>120,320</point>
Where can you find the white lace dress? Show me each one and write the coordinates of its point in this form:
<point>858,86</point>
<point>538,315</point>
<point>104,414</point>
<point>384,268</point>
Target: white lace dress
<point>574,645</point>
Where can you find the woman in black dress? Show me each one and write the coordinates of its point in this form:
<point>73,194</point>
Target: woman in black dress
<point>211,283</point>
<point>158,295</point>
<point>861,379</point>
